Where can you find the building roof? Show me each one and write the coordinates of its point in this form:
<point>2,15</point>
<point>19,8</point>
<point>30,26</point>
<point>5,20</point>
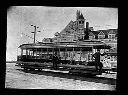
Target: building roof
<point>56,34</point>
<point>95,32</point>
<point>79,15</point>
<point>113,31</point>
<point>72,27</point>
<point>104,31</point>
<point>91,34</point>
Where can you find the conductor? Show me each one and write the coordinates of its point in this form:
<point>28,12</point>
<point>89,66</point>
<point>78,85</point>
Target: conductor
<point>97,60</point>
<point>55,61</point>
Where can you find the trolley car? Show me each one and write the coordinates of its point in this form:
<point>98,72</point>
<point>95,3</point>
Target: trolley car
<point>75,57</point>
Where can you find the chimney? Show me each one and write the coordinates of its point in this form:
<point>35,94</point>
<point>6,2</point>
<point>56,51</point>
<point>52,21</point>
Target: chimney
<point>87,31</point>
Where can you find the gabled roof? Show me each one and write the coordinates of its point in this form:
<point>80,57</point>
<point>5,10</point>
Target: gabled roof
<point>91,34</point>
<point>71,22</point>
<point>70,25</point>
<point>56,34</point>
<point>101,33</point>
<point>95,32</point>
<point>104,31</point>
<point>113,31</point>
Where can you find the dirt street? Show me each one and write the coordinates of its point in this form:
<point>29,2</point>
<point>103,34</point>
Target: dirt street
<point>19,79</point>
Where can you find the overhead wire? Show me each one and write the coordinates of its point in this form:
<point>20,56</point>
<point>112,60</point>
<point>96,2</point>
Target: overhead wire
<point>28,36</point>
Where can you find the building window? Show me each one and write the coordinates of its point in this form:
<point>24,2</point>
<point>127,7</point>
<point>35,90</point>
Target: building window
<point>101,36</point>
<point>111,36</point>
<point>91,37</point>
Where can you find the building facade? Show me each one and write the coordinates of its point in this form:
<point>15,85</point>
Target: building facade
<point>76,30</point>
<point>73,31</point>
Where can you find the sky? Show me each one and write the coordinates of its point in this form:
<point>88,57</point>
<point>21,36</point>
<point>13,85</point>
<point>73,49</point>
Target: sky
<point>50,20</point>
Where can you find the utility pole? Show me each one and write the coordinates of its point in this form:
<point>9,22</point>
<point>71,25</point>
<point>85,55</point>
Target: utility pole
<point>35,30</point>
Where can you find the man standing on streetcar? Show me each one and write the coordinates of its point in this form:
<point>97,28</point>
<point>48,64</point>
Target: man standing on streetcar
<point>55,61</point>
<point>97,60</point>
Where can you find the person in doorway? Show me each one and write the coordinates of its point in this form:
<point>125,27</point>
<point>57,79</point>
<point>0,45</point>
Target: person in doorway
<point>98,64</point>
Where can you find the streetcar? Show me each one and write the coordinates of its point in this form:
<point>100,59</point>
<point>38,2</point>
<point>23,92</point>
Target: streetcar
<point>75,57</point>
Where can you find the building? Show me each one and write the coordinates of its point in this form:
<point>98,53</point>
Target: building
<point>76,31</point>
<point>107,36</point>
<point>47,40</point>
<point>112,34</point>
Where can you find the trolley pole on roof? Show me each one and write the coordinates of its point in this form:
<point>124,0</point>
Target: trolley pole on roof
<point>35,30</point>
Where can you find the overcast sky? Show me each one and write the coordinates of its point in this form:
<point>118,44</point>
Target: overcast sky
<point>51,20</point>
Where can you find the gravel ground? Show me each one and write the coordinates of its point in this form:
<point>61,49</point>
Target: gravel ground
<point>20,80</point>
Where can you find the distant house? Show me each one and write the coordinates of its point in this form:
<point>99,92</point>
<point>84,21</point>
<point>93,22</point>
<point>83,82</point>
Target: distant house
<point>104,35</point>
<point>112,34</point>
<point>91,36</point>
<point>76,31</point>
<point>101,35</point>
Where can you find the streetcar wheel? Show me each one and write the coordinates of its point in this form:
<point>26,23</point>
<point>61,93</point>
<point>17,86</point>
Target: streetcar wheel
<point>32,69</point>
<point>39,69</point>
<point>25,69</point>
<point>70,72</point>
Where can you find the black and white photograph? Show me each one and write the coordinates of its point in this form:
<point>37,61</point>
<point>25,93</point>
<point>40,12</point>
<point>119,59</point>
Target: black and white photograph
<point>61,48</point>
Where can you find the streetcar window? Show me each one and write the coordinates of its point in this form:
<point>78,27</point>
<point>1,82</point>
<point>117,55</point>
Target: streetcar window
<point>34,53</point>
<point>31,52</point>
<point>76,49</point>
<point>44,49</point>
<point>50,49</point>
<point>39,49</point>
<point>84,56</point>
<point>87,49</point>
<point>27,51</point>
<point>19,52</point>
<point>62,49</point>
<point>69,49</point>
<point>24,51</point>
<point>56,49</point>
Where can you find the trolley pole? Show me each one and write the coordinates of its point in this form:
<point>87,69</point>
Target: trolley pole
<point>35,30</point>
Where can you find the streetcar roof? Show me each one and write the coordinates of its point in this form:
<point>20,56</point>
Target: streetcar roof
<point>88,43</point>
